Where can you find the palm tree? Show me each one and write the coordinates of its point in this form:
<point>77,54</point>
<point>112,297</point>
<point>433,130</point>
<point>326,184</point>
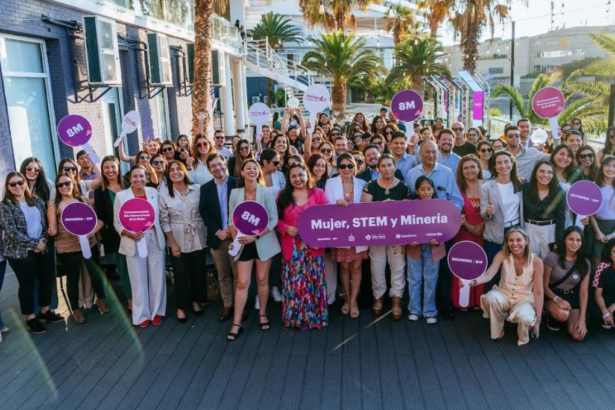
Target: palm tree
<point>383,92</point>
<point>401,23</point>
<point>416,58</point>
<point>338,57</point>
<point>363,85</point>
<point>276,29</point>
<point>333,14</point>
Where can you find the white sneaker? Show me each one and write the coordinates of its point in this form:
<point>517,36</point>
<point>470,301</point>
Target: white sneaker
<point>413,317</point>
<point>257,304</point>
<point>431,320</point>
<point>275,292</point>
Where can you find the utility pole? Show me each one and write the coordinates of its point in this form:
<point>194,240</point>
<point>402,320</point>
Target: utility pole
<point>512,67</point>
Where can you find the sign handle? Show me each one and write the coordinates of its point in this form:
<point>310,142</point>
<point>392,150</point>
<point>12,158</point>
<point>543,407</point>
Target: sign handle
<point>90,151</point>
<point>464,293</point>
<point>236,245</point>
<point>259,132</point>
<point>578,221</point>
<point>312,122</point>
<point>554,128</point>
<point>142,248</point>
<point>119,140</point>
<point>85,246</point>
<point>409,129</point>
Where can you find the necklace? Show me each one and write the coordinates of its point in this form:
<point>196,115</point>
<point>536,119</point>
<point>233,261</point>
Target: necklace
<point>386,189</point>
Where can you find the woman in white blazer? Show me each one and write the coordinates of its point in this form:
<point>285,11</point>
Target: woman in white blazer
<point>342,190</point>
<point>147,279</point>
<point>257,249</point>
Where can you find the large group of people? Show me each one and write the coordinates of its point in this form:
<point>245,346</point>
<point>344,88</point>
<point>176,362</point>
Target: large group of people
<point>544,261</point>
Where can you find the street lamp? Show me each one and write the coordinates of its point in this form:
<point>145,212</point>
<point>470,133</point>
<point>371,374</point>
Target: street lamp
<point>321,9</point>
<point>391,14</point>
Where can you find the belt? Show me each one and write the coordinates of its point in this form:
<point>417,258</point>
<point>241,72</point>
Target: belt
<point>509,224</point>
<point>565,291</point>
<point>540,223</point>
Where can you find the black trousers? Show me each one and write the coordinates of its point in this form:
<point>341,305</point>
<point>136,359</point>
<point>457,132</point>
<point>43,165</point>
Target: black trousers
<point>71,265</point>
<point>190,279</point>
<point>443,287</point>
<point>36,265</point>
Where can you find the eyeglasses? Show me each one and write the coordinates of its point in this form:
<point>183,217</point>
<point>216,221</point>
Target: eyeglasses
<point>167,149</point>
<point>484,150</point>
<point>346,166</point>
<point>276,163</point>
<point>142,158</point>
<point>244,148</point>
<point>66,184</point>
<point>202,144</point>
<point>513,136</point>
<point>14,184</point>
<point>326,150</point>
<point>30,169</point>
<point>157,162</point>
<point>458,129</point>
<point>585,156</point>
<point>70,169</point>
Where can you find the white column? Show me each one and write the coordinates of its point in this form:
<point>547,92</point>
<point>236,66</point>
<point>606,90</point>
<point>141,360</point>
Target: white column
<point>239,95</point>
<point>226,99</point>
<point>244,87</point>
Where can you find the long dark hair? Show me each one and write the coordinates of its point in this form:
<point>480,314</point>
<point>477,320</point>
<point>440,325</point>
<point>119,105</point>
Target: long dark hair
<point>287,152</point>
<point>461,181</point>
<point>238,157</point>
<point>285,198</point>
<point>373,126</point>
<point>571,171</point>
<point>40,188</point>
<point>76,193</point>
<point>119,179</point>
<point>600,178</point>
<point>241,183</point>
<point>312,161</point>
<point>8,196</point>
<point>168,176</point>
<point>593,168</point>
<point>606,253</point>
<point>581,264</point>
<point>553,185</point>
<point>609,147</point>
<point>425,178</point>
<point>514,178</point>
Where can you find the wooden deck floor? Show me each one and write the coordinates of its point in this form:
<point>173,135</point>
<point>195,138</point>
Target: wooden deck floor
<point>352,364</point>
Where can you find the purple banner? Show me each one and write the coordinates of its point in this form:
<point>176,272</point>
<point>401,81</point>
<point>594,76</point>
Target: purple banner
<point>467,260</point>
<point>137,215</point>
<point>78,219</point>
<point>407,105</point>
<point>584,198</point>
<point>74,130</point>
<point>250,218</point>
<point>478,100</point>
<point>379,223</point>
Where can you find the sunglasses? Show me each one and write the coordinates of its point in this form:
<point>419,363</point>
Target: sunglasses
<point>66,184</point>
<point>576,123</point>
<point>33,170</point>
<point>244,148</point>
<point>14,184</point>
<point>276,163</point>
<point>326,150</point>
<point>142,158</point>
<point>167,149</point>
<point>220,137</point>
<point>513,136</point>
<point>346,166</point>
<point>157,162</point>
<point>388,133</point>
<point>585,156</point>
<point>70,169</point>
<point>202,144</point>
<point>458,129</point>
<point>317,139</point>
<point>483,150</point>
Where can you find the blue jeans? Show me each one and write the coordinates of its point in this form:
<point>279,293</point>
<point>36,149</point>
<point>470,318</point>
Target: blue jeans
<point>2,271</point>
<point>422,278</point>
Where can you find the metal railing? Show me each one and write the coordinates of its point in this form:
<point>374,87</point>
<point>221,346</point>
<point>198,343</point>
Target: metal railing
<point>225,33</point>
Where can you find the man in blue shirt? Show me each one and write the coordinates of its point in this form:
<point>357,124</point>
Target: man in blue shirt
<point>442,177</point>
<point>403,161</point>
<point>446,156</point>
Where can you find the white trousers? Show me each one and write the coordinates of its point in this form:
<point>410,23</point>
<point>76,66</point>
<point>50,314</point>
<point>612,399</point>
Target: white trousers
<point>331,272</point>
<point>148,282</point>
<point>501,307</point>
<point>540,238</point>
<point>396,256</point>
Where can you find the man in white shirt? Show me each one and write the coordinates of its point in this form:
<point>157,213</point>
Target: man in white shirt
<point>219,139</point>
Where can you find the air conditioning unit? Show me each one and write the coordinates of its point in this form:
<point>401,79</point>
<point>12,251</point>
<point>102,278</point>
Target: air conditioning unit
<point>159,60</point>
<point>218,69</point>
<point>102,55</point>
<point>190,63</point>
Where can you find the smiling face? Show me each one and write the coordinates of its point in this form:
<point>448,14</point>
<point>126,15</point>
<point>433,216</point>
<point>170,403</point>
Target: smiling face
<point>326,151</point>
<point>573,242</point>
<point>379,124</point>
<point>84,161</point>
<point>525,128</point>
<point>586,158</point>
<point>429,153</point>
<point>346,168</point>
<point>503,165</point>
<point>485,152</point>
<point>609,169</point>
<point>65,186</point>
<point>459,130</point>
<point>371,157</point>
<point>183,141</point>
<point>319,168</point>
<point>426,134</point>
<point>398,146</point>
<point>497,145</point>
<point>159,164</point>
<point>110,170</point>
<point>138,179</point>
<point>425,190</point>
<point>217,167</point>
<point>152,147</point>
<point>516,243</point>
<point>574,141</point>
<point>202,146</point>
<point>32,171</point>
<point>175,173</point>
<point>250,171</point>
<point>168,151</point>
<point>17,186</point>
<point>470,170</point>
<point>341,146</point>
<point>544,175</point>
<point>446,143</point>
<point>143,159</point>
<point>562,159</point>
<point>244,149</point>
<point>280,145</point>
<point>298,178</point>
<point>472,136</point>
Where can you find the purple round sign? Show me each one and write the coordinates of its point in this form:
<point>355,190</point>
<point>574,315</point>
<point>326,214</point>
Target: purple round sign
<point>74,130</point>
<point>250,218</point>
<point>78,219</point>
<point>137,215</point>
<point>548,102</point>
<point>467,260</point>
<point>584,198</point>
<point>407,105</point>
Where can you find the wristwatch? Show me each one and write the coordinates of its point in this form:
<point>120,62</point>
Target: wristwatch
<point>258,236</point>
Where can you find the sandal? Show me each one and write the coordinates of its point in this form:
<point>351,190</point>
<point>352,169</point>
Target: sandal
<point>264,325</point>
<point>345,309</point>
<point>354,312</point>
<point>233,336</point>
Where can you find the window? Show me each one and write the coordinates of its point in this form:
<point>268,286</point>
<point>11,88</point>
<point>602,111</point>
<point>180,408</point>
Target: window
<point>26,84</point>
<point>496,70</point>
<point>163,117</point>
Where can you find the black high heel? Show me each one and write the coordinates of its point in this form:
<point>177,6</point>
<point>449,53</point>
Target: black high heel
<point>266,325</point>
<point>233,336</point>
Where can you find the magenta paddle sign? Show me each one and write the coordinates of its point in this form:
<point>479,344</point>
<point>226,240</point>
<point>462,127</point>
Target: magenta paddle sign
<point>584,198</point>
<point>467,260</point>
<point>379,223</point>
<point>250,218</point>
<point>407,105</point>
<point>80,220</point>
<point>548,102</point>
<point>137,215</point>
<point>74,130</point>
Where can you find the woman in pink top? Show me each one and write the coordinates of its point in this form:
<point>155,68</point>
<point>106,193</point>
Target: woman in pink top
<point>304,285</point>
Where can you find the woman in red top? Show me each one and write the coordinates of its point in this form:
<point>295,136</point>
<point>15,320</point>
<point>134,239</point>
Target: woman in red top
<point>305,294</point>
<point>469,180</point>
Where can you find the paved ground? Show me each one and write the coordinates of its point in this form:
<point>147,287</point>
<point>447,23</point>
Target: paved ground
<point>352,364</point>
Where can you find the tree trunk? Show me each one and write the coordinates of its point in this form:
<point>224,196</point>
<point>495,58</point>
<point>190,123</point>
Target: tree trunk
<point>201,101</point>
<point>339,98</point>
<point>418,85</point>
<point>470,49</point>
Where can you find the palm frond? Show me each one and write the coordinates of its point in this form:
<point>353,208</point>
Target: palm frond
<point>513,94</point>
<point>605,41</point>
